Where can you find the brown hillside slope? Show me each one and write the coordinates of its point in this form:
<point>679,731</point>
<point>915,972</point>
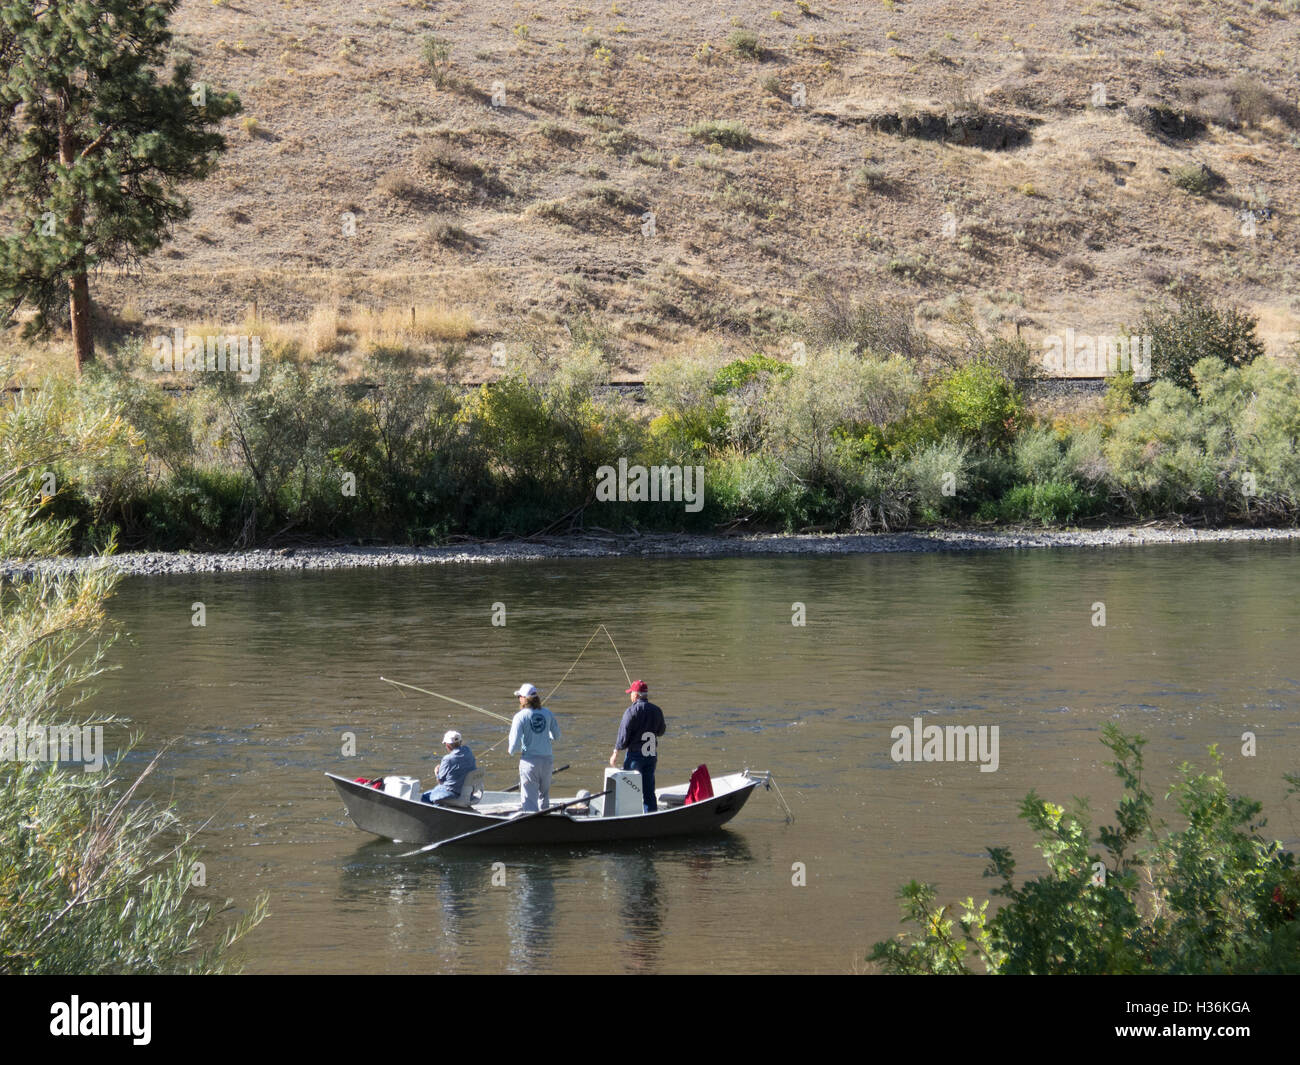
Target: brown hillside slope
<point>1012,154</point>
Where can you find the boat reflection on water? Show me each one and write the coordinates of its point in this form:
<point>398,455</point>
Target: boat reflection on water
<point>435,902</point>
<point>531,927</point>
<point>641,909</point>
<point>467,905</point>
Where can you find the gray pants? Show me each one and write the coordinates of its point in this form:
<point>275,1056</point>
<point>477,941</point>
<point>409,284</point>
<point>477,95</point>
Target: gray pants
<point>535,782</point>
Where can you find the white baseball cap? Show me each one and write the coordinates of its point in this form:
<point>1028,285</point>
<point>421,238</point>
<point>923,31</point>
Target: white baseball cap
<point>452,737</point>
<point>526,690</point>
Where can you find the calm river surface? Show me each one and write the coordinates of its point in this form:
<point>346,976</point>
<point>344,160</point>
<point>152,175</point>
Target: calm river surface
<point>1199,645</point>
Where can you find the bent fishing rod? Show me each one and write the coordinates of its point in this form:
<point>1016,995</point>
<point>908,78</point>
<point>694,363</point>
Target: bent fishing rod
<point>448,698</point>
<point>500,717</point>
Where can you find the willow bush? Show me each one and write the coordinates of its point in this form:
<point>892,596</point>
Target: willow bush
<point>1227,448</point>
<point>93,878</point>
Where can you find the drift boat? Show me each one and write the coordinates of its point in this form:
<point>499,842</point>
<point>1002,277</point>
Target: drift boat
<point>614,815</point>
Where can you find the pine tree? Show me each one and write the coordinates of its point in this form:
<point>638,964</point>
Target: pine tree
<point>93,147</point>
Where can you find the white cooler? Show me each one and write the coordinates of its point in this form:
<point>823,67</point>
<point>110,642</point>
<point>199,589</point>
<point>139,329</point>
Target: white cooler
<point>403,787</point>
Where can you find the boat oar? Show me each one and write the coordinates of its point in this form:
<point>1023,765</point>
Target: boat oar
<point>448,698</point>
<point>502,824</point>
<point>515,787</point>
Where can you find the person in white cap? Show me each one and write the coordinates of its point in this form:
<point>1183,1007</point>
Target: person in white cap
<point>531,733</point>
<point>456,765</point>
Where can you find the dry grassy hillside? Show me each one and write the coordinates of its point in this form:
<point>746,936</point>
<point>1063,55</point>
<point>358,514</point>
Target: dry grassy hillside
<point>1055,167</point>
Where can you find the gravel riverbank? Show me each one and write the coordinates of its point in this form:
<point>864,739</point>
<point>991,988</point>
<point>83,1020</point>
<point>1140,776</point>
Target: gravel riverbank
<point>669,545</point>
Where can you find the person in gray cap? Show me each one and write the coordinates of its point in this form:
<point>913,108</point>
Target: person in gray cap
<point>531,733</point>
<point>456,765</point>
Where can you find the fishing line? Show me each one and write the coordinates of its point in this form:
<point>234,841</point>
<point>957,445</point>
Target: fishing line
<point>599,630</point>
<point>507,720</point>
<point>495,745</point>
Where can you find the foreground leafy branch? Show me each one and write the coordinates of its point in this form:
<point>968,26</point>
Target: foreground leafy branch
<point>1213,897</point>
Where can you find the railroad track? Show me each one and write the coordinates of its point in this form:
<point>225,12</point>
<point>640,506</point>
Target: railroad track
<point>635,390</point>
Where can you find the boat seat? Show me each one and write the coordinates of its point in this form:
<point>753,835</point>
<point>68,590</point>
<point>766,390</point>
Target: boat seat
<point>470,792</point>
<point>672,796</point>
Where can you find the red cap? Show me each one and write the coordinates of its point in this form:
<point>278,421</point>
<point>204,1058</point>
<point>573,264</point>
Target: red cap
<point>637,686</point>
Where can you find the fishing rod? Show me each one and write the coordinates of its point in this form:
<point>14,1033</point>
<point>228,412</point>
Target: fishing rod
<point>555,773</point>
<point>470,706</point>
<point>448,698</point>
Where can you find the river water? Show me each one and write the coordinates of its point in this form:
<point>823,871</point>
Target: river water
<point>1198,646</point>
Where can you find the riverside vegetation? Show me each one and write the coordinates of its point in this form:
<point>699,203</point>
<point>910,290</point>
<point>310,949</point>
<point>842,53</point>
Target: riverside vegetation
<point>1213,897</point>
<point>878,428</point>
<point>93,877</point>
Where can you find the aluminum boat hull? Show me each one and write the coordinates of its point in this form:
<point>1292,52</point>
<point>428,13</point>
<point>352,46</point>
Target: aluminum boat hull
<point>412,821</point>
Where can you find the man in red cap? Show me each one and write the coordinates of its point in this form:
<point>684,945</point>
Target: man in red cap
<point>638,735</point>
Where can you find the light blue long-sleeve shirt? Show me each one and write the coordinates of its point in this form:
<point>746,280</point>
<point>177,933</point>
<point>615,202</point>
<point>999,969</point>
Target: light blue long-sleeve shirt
<point>532,731</point>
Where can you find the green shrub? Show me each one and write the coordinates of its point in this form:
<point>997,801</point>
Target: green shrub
<point>1229,449</point>
<point>287,434</point>
<point>744,43</point>
<point>741,372</point>
<point>936,479</point>
<point>1047,503</point>
<point>757,490</point>
<point>164,423</point>
<point>1160,457</point>
<point>1037,453</point>
<point>693,418</point>
<point>543,432</point>
<point>1196,178</point>
<point>436,52</point>
<point>975,403</point>
<point>727,132</point>
<point>929,485</point>
<point>196,509</point>
<point>805,418</point>
<point>1213,897</point>
<point>1041,455</point>
<point>1195,329</point>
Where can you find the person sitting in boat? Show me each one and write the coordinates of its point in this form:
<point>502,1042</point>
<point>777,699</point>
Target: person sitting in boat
<point>457,764</point>
<point>531,733</point>
<point>638,735</point>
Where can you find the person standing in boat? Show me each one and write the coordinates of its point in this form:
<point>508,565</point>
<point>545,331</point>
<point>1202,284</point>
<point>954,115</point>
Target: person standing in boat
<point>531,733</point>
<point>638,735</point>
<point>456,765</point>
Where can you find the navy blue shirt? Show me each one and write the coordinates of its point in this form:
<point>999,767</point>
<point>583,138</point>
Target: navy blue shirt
<point>638,719</point>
